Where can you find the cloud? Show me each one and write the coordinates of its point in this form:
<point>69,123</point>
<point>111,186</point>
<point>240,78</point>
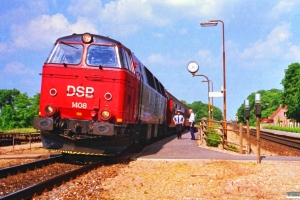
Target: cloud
<point>274,45</point>
<point>283,7</point>
<point>126,17</point>
<point>155,58</point>
<point>195,8</point>
<point>17,68</point>
<point>90,10</point>
<point>41,32</point>
<point>183,31</point>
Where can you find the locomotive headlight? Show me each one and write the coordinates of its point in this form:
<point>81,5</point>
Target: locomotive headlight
<point>87,38</point>
<point>105,114</point>
<point>50,110</point>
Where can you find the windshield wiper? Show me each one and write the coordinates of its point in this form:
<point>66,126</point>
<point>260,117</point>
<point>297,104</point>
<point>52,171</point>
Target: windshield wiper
<point>68,44</point>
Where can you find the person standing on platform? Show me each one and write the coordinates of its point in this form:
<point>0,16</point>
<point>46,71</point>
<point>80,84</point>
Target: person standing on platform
<point>178,120</point>
<point>192,123</point>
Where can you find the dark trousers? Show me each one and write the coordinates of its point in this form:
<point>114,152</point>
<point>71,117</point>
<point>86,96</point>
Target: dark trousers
<point>192,130</point>
<point>178,130</point>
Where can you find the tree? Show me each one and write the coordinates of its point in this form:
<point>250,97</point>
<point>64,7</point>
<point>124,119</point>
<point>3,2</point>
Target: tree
<point>7,97</point>
<point>19,110</point>
<point>291,90</point>
<point>200,109</point>
<point>270,100</point>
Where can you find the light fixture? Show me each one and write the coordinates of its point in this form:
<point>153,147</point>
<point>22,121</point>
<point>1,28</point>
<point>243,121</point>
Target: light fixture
<point>209,23</point>
<point>87,38</point>
<point>50,110</point>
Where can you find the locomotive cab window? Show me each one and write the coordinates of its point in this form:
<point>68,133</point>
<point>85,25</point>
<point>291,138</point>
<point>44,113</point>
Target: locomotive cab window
<point>102,56</point>
<point>65,53</point>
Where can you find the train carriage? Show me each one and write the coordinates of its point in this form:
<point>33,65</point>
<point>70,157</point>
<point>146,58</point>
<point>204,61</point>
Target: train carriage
<point>98,98</point>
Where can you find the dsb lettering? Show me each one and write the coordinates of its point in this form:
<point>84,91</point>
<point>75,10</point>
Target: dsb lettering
<point>80,91</point>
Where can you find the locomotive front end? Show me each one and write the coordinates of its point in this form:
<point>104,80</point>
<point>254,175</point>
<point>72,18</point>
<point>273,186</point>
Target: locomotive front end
<point>87,100</point>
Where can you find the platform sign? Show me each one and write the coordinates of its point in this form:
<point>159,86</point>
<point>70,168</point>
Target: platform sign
<point>215,94</point>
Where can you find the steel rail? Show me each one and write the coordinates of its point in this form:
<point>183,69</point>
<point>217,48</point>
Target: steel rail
<point>29,192</point>
<point>289,141</point>
<point>28,166</point>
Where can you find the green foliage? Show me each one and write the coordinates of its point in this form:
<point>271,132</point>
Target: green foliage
<point>17,110</point>
<point>213,143</point>
<point>291,89</point>
<point>270,100</point>
<point>201,110</point>
<point>235,148</point>
<point>184,102</point>
<point>286,129</point>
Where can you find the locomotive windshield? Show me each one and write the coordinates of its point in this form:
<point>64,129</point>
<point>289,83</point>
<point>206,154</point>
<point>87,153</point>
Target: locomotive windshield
<point>102,56</point>
<point>66,53</point>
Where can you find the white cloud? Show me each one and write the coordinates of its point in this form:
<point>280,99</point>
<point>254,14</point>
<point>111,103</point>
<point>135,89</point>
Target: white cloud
<point>183,31</point>
<point>275,44</point>
<point>43,31</point>
<point>17,68</point>
<point>294,53</point>
<point>283,7</point>
<point>155,58</point>
<point>206,58</point>
<point>195,8</point>
<point>90,10</point>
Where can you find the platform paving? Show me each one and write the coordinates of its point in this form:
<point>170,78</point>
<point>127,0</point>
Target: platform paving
<point>185,148</point>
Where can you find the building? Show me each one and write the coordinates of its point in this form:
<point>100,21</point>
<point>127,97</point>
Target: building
<point>279,116</point>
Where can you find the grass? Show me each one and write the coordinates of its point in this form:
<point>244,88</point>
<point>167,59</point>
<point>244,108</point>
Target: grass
<point>287,129</point>
<point>213,139</point>
<point>20,130</point>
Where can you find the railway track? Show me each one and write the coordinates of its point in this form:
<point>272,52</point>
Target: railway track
<point>285,140</point>
<point>38,188</point>
<point>28,166</point>
<point>288,141</point>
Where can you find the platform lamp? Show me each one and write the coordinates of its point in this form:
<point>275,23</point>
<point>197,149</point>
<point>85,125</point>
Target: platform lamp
<point>247,116</point>
<point>211,23</point>
<point>257,111</point>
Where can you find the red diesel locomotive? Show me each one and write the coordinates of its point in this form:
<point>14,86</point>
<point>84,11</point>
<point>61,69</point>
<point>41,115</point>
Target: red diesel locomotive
<point>97,98</point>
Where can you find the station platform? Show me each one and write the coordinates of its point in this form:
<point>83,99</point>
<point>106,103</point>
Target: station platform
<point>185,148</point>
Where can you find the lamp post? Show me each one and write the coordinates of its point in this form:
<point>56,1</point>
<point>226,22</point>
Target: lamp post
<point>212,99</point>
<point>208,90</point>
<point>215,23</point>
<point>257,111</point>
<point>247,116</point>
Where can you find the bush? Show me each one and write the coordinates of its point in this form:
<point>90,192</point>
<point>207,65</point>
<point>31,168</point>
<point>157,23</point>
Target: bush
<point>213,143</point>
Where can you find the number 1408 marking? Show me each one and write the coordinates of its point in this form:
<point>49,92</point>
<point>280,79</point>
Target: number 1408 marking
<point>79,105</point>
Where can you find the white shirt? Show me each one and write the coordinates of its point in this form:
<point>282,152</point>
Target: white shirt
<point>192,117</point>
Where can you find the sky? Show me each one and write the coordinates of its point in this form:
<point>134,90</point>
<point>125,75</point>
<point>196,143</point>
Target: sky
<point>262,38</point>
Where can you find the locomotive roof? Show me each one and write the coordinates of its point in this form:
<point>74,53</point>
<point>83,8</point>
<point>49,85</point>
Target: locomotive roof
<point>96,39</point>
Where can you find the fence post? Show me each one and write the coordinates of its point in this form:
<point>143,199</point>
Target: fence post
<point>13,142</point>
<point>30,141</point>
<point>241,138</point>
<point>203,130</point>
